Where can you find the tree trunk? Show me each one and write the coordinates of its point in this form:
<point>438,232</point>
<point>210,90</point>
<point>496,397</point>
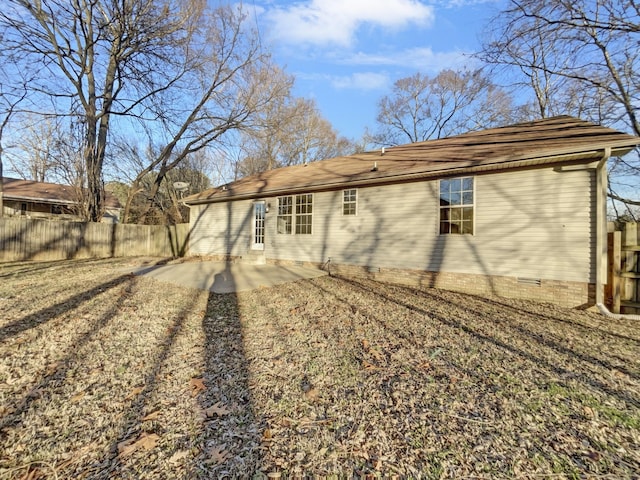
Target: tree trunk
<point>1,187</point>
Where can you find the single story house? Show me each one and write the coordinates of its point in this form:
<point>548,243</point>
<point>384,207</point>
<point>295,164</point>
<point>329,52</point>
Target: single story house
<point>53,201</point>
<point>517,211</point>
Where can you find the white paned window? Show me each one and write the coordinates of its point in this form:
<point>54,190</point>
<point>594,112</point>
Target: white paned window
<point>349,201</point>
<point>285,215</point>
<point>457,206</point>
<point>304,213</point>
<point>295,214</point>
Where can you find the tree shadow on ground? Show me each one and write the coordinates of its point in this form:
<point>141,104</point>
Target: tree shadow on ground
<point>232,432</point>
<point>137,377</point>
<point>225,436</point>
<point>56,372</point>
<point>502,335</point>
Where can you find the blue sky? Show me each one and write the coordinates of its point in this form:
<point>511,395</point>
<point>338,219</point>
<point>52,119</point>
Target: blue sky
<point>346,54</point>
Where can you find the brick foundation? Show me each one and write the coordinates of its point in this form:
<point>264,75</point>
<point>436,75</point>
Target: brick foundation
<point>563,293</point>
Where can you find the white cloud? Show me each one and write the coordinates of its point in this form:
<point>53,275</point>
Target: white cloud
<point>361,81</point>
<point>335,22</point>
<point>423,59</point>
<point>466,3</point>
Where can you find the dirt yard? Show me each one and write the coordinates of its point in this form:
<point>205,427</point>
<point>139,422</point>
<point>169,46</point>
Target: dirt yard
<point>107,375</point>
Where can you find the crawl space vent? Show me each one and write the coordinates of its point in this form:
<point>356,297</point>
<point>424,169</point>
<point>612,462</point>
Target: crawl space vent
<point>536,282</point>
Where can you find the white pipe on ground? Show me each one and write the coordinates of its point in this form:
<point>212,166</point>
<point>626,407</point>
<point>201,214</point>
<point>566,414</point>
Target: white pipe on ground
<point>618,316</point>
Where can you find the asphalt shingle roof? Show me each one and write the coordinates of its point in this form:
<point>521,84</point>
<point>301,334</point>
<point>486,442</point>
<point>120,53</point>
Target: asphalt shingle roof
<point>560,140</point>
<point>44,192</point>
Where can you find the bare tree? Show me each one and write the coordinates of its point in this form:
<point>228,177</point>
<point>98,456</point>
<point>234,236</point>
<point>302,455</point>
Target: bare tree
<point>38,148</point>
<point>421,107</point>
<point>229,81</point>
<point>309,137</point>
<point>10,98</point>
<point>288,131</point>
<point>180,70</point>
<point>149,201</point>
<point>577,57</point>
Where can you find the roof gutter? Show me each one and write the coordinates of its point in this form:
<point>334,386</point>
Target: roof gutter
<point>56,201</point>
<point>382,180</point>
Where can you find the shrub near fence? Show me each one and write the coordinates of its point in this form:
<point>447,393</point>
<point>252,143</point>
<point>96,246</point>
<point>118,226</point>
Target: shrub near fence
<point>29,239</point>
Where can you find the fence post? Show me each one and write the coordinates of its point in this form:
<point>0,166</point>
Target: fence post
<point>615,259</point>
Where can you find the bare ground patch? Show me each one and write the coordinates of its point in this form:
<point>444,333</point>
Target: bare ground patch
<point>108,375</point>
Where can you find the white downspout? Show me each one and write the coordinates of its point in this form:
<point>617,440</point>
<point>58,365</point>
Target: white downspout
<point>618,316</point>
<point>601,225</point>
<point>601,239</point>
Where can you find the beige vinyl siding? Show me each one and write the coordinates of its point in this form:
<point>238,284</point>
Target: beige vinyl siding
<point>221,228</point>
<point>534,223</point>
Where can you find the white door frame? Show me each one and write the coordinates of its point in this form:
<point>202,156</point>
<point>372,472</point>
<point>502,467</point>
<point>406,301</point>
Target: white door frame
<point>258,225</point>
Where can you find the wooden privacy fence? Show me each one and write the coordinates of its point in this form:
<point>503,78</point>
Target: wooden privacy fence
<point>29,239</point>
<point>623,285</point>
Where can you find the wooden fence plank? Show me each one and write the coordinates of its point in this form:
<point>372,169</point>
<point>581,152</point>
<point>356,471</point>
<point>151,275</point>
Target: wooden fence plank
<point>30,239</point>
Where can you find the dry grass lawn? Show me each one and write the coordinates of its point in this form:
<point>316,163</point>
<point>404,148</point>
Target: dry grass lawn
<point>108,375</point>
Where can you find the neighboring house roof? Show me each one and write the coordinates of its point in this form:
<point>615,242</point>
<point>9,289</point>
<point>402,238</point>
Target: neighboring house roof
<point>43,192</point>
<point>557,140</point>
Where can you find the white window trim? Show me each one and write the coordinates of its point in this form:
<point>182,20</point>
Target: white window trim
<point>354,202</point>
<point>473,204</point>
<point>294,215</point>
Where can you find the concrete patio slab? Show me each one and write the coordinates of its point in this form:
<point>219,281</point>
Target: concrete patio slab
<point>222,277</point>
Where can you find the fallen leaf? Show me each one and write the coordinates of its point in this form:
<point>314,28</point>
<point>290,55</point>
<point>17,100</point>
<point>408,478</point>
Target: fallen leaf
<point>589,413</point>
<point>217,409</point>
<point>267,438</point>
<point>197,385</point>
<point>217,455</point>
<point>376,354</point>
<point>135,392</point>
<point>361,453</point>
<point>31,474</point>
<point>369,366</point>
<point>145,441</point>
<point>151,416</point>
<point>52,368</point>
<point>311,394</point>
<point>77,397</point>
<point>595,456</point>
<point>286,422</point>
<point>179,455</point>
<point>126,447</point>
